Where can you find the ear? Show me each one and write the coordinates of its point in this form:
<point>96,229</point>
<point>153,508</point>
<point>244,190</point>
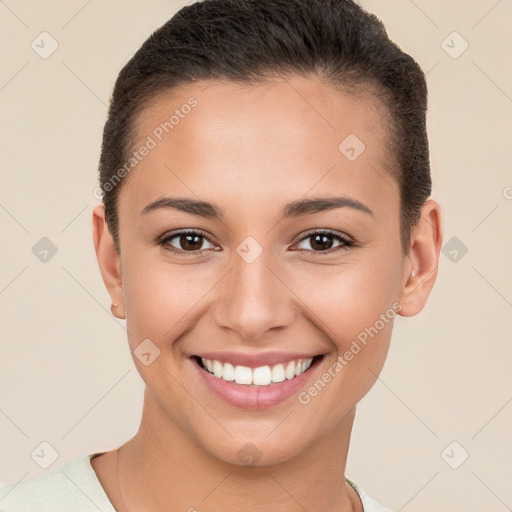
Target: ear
<point>108,259</point>
<point>420,270</point>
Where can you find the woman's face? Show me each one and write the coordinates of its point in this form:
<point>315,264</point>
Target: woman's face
<point>269,285</point>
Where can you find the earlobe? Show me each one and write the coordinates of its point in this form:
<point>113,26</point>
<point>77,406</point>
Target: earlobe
<point>420,270</point>
<point>108,260</point>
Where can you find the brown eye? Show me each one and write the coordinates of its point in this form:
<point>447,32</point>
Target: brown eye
<point>322,242</point>
<point>186,241</point>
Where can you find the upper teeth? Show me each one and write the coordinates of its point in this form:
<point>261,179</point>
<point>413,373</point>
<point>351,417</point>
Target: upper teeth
<point>260,376</point>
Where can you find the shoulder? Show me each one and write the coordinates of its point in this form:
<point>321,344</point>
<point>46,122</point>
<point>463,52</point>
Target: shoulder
<point>369,505</point>
<point>72,487</point>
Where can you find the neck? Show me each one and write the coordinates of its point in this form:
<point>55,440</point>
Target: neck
<point>163,466</point>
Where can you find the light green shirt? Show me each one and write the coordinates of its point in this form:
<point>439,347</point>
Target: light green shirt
<point>74,487</point>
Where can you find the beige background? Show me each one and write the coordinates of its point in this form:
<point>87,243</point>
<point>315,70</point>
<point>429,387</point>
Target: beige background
<point>66,375</point>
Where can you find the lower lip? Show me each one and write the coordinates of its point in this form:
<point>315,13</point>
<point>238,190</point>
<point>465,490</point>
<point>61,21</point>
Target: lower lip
<point>255,397</point>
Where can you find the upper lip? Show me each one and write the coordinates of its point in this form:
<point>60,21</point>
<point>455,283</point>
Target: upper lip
<point>256,360</point>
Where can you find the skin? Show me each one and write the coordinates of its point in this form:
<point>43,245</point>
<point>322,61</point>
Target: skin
<point>250,151</point>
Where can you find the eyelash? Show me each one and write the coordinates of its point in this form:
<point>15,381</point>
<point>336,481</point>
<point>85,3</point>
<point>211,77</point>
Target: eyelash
<point>346,243</point>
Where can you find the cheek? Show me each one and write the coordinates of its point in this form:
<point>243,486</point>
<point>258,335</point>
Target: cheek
<point>160,295</point>
<point>355,311</point>
<point>352,296</point>
<point>353,306</point>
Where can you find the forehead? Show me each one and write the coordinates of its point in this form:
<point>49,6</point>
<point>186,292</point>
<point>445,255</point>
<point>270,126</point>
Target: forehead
<point>282,138</point>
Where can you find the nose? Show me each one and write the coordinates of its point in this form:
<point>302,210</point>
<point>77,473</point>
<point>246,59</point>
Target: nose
<point>254,300</point>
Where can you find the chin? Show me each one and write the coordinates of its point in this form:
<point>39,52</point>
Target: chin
<point>254,452</point>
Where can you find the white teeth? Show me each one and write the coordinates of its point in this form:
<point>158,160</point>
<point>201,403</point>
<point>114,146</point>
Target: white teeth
<point>243,375</point>
<point>217,369</point>
<point>260,376</point>
<point>290,370</point>
<point>228,372</point>
<point>278,373</point>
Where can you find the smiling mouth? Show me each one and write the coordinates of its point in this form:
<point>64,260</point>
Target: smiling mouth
<point>267,375</point>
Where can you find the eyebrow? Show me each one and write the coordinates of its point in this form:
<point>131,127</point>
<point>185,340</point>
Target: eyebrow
<point>291,210</point>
